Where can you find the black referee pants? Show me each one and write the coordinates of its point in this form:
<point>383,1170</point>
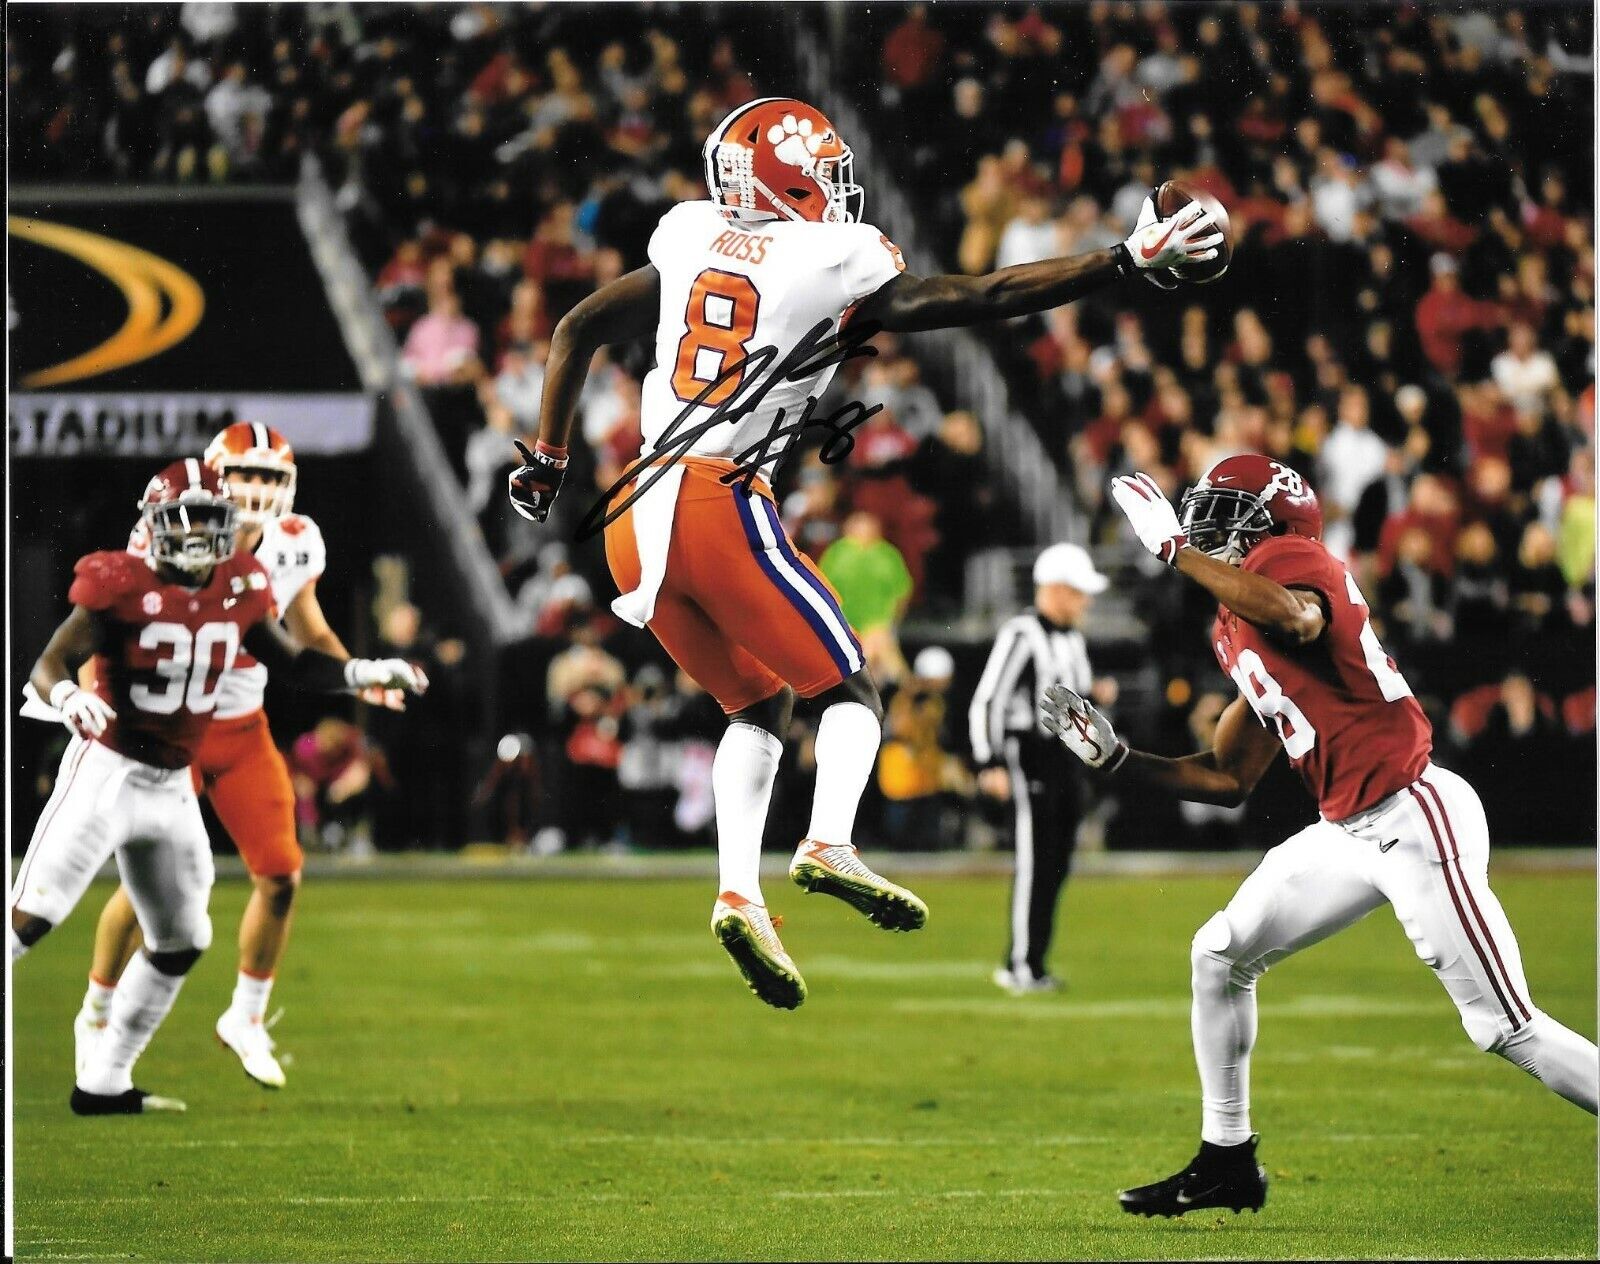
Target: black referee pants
<point>1045,803</point>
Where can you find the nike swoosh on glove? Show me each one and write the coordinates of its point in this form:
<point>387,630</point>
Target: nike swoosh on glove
<point>1163,280</point>
<point>1190,236</point>
<point>1154,520</point>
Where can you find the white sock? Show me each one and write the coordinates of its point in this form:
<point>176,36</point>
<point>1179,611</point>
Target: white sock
<point>143,998</point>
<point>1562,1060</point>
<point>741,783</point>
<point>847,748</point>
<point>97,1000</point>
<point>14,941</point>
<point>250,993</point>
<point>1223,1025</point>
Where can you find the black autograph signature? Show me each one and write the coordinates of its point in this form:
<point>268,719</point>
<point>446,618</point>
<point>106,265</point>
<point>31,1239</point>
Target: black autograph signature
<point>816,351</point>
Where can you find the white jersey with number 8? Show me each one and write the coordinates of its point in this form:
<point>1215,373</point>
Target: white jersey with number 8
<point>729,290</point>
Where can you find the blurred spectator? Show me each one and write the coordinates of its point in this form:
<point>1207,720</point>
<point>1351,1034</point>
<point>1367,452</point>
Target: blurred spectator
<point>1523,372</point>
<point>509,794</point>
<point>874,585</point>
<point>334,772</point>
<point>917,772</point>
<point>442,347</point>
<point>1350,460</point>
<point>1446,315</point>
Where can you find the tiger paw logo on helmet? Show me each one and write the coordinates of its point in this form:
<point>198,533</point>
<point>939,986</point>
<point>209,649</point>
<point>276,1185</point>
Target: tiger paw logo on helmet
<point>779,158</point>
<point>796,141</point>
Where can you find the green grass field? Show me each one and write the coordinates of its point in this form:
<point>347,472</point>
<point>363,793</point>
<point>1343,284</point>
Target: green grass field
<point>488,1070</point>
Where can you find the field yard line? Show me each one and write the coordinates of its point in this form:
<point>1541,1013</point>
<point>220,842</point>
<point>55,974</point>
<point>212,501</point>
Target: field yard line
<point>1154,1007</point>
<point>1050,1141</point>
<point>434,866</point>
<point>564,1196</point>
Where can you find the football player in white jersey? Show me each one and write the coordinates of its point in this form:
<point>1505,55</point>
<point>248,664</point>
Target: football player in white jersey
<point>237,765</point>
<point>754,297</point>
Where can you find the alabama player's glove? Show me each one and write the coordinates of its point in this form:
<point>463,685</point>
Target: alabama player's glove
<point>1154,520</point>
<point>1163,279</point>
<point>534,483</point>
<point>84,713</point>
<point>1081,728</point>
<point>385,673</point>
<point>1190,236</point>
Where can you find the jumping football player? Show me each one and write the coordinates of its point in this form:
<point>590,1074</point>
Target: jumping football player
<point>164,631</point>
<point>237,766</point>
<point>701,556</point>
<point>1293,632</point>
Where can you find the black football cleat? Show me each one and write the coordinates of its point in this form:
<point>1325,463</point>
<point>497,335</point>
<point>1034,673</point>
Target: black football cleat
<point>1219,1176</point>
<point>133,1102</point>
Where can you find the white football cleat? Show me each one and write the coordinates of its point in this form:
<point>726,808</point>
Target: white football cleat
<point>837,870</point>
<point>86,1033</point>
<point>248,1039</point>
<point>750,936</point>
<point>1025,982</point>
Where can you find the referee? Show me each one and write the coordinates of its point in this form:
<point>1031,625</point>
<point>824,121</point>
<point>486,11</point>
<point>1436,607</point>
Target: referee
<point>1018,760</point>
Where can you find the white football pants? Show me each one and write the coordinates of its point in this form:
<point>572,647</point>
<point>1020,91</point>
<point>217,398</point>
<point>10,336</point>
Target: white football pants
<point>104,804</point>
<point>1424,851</point>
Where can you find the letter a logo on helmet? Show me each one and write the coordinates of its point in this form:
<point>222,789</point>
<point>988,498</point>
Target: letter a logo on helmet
<point>781,158</point>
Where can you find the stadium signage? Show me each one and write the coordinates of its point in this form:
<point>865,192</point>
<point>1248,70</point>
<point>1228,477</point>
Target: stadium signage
<point>169,424</point>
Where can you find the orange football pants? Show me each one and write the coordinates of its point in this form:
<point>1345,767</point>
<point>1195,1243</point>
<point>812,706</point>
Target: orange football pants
<point>741,609</point>
<point>240,770</point>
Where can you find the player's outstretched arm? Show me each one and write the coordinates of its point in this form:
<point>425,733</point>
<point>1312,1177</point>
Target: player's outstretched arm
<point>908,303</point>
<point>1241,752</point>
<point>316,672</point>
<point>1294,615</point>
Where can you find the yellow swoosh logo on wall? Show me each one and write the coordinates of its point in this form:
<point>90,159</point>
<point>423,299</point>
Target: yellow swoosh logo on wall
<point>144,279</point>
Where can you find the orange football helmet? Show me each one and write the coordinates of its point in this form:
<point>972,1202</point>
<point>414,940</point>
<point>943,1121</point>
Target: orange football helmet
<point>781,157</point>
<point>257,467</point>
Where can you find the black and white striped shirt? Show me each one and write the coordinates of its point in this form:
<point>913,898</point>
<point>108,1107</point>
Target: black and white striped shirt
<point>1029,656</point>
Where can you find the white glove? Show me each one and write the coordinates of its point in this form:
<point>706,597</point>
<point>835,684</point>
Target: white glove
<point>1154,520</point>
<point>84,713</point>
<point>1190,236</point>
<point>1081,728</point>
<point>1163,280</point>
<point>386,673</point>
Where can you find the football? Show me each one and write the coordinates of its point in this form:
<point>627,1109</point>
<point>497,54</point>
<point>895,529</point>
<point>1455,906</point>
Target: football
<point>1172,197</point>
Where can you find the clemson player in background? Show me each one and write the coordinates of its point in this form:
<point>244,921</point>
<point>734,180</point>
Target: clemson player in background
<point>700,554</point>
<point>237,766</point>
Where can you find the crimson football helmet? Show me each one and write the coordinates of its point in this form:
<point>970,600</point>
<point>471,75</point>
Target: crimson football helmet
<point>780,157</point>
<point>188,517</point>
<point>1243,499</point>
<point>257,465</point>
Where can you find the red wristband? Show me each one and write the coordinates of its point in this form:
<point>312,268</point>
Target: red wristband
<point>550,449</point>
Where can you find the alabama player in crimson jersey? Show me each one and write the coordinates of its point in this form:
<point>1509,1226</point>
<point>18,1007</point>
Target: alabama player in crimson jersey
<point>163,631</point>
<point>1293,632</point>
<point>777,256</point>
<point>237,765</point>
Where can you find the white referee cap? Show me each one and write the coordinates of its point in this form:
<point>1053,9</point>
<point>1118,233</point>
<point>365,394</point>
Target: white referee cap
<point>1070,565</point>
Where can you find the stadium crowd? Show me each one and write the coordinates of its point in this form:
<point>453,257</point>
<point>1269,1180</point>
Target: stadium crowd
<point>1410,321</point>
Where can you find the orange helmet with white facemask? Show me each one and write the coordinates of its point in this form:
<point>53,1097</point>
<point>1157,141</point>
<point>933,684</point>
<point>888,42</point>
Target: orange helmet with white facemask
<point>781,157</point>
<point>257,465</point>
